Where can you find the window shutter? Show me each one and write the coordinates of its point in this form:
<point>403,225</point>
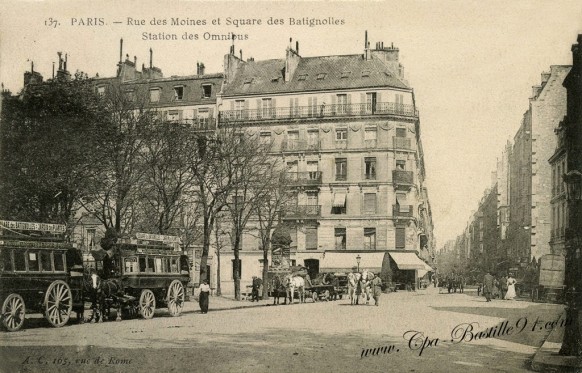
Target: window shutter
<point>381,242</point>
<point>311,238</point>
<point>259,108</point>
<point>400,237</point>
<point>232,105</point>
<point>370,203</point>
<point>333,104</point>
<point>310,106</point>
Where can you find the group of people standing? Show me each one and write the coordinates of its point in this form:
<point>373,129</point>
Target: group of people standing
<point>503,287</point>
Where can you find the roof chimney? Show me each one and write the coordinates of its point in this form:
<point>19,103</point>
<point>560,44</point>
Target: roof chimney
<point>297,47</point>
<point>151,58</point>
<point>201,69</point>
<point>121,50</point>
<point>366,47</point>
<point>240,51</point>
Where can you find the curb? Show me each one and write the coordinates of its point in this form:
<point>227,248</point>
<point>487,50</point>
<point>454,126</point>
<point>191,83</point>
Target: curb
<point>547,359</point>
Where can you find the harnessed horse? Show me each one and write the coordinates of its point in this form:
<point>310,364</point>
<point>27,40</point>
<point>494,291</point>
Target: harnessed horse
<point>292,283</point>
<point>353,279</point>
<point>103,295</point>
<point>278,289</point>
<point>366,279</point>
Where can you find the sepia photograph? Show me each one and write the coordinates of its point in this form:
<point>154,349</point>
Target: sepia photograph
<point>291,186</point>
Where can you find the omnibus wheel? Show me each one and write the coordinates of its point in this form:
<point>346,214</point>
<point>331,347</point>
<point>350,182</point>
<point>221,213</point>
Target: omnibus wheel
<point>147,304</point>
<point>58,303</point>
<point>13,312</point>
<point>175,298</point>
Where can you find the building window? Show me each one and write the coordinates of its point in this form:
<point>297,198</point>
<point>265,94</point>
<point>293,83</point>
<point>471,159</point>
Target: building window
<point>399,103</point>
<point>342,104</point>
<point>402,203</point>
<point>321,76</point>
<point>400,237</point>
<point>302,77</point>
<point>400,132</point>
<point>239,268</point>
<point>178,93</point>
<point>341,134</point>
<point>370,137</point>
<point>293,140</point>
<point>90,239</point>
<point>101,90</point>
<point>312,199</point>
<point>313,140</point>
<point>371,102</point>
<point>239,106</point>
<point>401,165</point>
<point>292,168</point>
<point>174,115</point>
<point>267,108</point>
<point>369,203</point>
<point>340,238</point>
<point>130,96</point>
<point>370,167</point>
<point>206,90</point>
<point>369,238</point>
<point>341,169</point>
<point>155,95</point>
<point>311,238</point>
<point>312,169</point>
<point>339,204</point>
<point>345,74</point>
<point>203,117</point>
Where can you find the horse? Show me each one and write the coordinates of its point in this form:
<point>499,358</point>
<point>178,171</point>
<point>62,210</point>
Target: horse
<point>103,295</point>
<point>366,279</point>
<point>292,283</point>
<point>353,279</point>
<point>278,289</point>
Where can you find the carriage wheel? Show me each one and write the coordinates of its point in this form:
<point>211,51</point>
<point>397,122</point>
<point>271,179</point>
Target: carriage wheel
<point>58,303</point>
<point>13,312</point>
<point>147,304</point>
<point>314,296</point>
<point>175,298</point>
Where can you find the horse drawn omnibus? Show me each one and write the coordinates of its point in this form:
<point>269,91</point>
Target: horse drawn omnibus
<point>34,273</point>
<point>41,272</point>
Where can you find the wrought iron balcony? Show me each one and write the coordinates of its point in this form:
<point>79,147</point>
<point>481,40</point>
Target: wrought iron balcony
<point>400,177</point>
<point>290,145</point>
<point>303,212</point>
<point>402,211</point>
<point>319,111</point>
<point>305,178</point>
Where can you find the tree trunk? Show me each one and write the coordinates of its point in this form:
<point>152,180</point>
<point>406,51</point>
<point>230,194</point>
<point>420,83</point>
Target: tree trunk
<point>205,248</point>
<point>237,276</point>
<point>265,270</point>
<point>218,289</point>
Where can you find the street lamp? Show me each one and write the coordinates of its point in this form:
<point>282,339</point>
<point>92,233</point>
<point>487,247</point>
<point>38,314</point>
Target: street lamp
<point>572,342</point>
<point>358,258</point>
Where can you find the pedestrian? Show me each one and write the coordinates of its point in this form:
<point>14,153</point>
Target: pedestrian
<point>503,283</point>
<point>377,289</point>
<point>461,284</point>
<point>510,288</point>
<point>255,289</point>
<point>204,292</point>
<point>488,286</point>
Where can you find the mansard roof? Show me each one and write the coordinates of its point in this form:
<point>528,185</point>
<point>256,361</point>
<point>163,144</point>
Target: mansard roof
<point>341,72</point>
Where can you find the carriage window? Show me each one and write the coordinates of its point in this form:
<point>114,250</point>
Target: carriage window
<point>45,261</point>
<point>7,260</point>
<point>33,261</point>
<point>158,267</point>
<point>59,261</point>
<point>150,265</point>
<point>142,264</point>
<point>19,260</point>
<point>174,267</point>
<point>131,265</point>
<point>165,266</point>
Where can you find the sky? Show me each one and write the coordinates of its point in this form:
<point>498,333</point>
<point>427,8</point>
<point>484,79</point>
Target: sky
<point>471,63</point>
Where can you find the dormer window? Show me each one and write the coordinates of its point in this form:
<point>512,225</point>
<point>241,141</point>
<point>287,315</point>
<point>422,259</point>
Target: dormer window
<point>130,95</point>
<point>321,76</point>
<point>346,74</point>
<point>155,94</point>
<point>178,93</point>
<point>275,80</point>
<point>206,90</point>
<point>101,90</point>
<point>302,77</point>
<point>365,74</point>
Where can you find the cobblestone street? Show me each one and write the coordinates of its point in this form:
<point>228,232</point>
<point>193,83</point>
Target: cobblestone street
<point>290,338</point>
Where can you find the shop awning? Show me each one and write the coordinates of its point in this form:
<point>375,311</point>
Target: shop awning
<point>339,200</point>
<point>408,261</point>
<point>344,262</point>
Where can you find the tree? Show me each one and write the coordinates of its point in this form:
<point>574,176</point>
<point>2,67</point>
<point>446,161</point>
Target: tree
<point>50,149</point>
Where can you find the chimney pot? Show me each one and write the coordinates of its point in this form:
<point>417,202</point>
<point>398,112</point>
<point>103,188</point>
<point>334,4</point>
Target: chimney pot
<point>121,50</point>
<point>151,58</point>
<point>297,47</point>
<point>240,51</point>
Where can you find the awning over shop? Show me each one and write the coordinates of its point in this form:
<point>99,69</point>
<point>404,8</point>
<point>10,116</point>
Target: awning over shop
<point>345,261</point>
<point>408,261</point>
<point>339,200</point>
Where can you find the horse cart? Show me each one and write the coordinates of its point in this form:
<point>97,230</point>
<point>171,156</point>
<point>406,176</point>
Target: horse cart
<point>35,273</point>
<point>551,279</point>
<point>323,288</point>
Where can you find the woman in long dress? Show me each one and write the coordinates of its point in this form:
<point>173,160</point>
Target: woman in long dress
<point>203,296</point>
<point>510,288</point>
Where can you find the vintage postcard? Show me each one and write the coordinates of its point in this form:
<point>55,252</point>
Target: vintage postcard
<point>279,186</point>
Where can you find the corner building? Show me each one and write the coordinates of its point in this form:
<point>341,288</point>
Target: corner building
<point>348,130</point>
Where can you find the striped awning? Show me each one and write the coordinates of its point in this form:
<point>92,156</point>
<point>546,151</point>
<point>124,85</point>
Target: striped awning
<point>408,261</point>
<point>339,200</point>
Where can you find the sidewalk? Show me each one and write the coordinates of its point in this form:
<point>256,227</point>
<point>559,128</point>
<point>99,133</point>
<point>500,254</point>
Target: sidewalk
<point>222,303</point>
<point>547,359</point>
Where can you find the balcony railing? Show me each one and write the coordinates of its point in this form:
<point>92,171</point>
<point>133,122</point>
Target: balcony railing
<point>303,211</point>
<point>305,178</point>
<point>400,177</point>
<point>320,111</point>
<point>289,145</point>
<point>401,142</point>
<point>402,211</point>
